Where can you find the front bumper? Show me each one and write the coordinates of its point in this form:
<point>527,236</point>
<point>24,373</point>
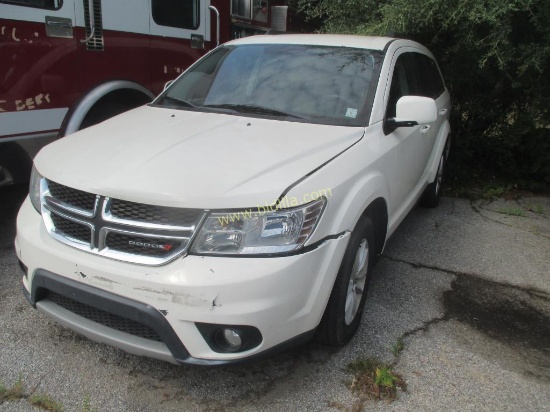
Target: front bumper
<point>283,297</point>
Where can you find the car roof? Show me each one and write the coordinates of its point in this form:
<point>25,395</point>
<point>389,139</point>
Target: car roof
<point>340,40</point>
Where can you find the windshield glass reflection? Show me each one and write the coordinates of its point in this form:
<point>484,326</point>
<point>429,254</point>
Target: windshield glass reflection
<point>331,85</point>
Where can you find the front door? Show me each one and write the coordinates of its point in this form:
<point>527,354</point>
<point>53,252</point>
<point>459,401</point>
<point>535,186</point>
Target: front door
<point>412,144</point>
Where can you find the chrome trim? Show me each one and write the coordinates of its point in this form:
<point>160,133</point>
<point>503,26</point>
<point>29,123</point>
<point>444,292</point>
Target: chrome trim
<point>62,237</point>
<point>104,250</point>
<point>91,21</point>
<point>90,37</point>
<point>59,27</point>
<point>53,202</point>
<point>107,216</point>
<point>215,10</point>
<point>101,224</point>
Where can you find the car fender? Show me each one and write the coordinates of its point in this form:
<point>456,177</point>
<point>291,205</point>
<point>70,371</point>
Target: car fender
<point>76,115</point>
<point>344,209</point>
<point>347,202</point>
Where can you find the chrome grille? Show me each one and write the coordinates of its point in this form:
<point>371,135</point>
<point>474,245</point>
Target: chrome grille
<point>73,197</point>
<point>72,229</point>
<point>171,216</point>
<point>115,228</point>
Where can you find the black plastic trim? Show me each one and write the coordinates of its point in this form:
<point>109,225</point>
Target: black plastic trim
<point>391,123</point>
<point>27,295</point>
<point>23,268</point>
<point>289,344</point>
<point>388,44</point>
<point>111,303</point>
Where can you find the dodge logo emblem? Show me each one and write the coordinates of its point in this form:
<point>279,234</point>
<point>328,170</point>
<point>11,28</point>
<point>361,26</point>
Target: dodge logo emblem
<point>166,247</point>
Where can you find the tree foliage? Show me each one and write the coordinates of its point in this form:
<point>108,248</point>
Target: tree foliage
<point>495,57</point>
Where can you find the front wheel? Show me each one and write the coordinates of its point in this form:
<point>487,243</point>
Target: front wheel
<point>347,300</point>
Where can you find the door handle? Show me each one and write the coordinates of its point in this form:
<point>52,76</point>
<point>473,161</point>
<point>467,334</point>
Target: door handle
<point>92,22</point>
<point>424,129</point>
<point>59,24</point>
<point>59,27</point>
<point>215,10</point>
<point>442,112</point>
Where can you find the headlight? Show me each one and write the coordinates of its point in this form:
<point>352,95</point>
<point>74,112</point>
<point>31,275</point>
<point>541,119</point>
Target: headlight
<point>34,189</point>
<point>258,232</point>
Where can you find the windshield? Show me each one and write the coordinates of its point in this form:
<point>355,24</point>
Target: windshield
<point>317,84</point>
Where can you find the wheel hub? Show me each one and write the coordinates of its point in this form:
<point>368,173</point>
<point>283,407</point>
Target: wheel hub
<point>356,286</point>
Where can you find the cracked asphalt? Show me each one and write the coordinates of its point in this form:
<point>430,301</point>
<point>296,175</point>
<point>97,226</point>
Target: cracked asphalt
<point>466,286</point>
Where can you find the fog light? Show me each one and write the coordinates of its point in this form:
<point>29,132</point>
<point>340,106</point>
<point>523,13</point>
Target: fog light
<point>232,338</point>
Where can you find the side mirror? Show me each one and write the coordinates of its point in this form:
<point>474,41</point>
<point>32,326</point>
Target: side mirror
<point>412,111</point>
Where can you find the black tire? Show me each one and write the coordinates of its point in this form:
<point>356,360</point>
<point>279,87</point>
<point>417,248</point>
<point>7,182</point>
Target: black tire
<point>335,329</point>
<point>15,163</point>
<point>432,194</point>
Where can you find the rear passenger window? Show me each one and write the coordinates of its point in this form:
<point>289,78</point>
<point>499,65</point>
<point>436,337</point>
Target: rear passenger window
<point>431,83</point>
<point>182,14</point>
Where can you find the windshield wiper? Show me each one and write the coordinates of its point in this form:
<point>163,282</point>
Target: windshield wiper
<point>252,109</point>
<point>178,102</point>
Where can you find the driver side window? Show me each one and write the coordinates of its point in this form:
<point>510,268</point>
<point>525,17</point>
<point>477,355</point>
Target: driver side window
<point>404,82</point>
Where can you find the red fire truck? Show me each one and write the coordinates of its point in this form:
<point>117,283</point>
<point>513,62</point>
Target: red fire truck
<point>68,64</point>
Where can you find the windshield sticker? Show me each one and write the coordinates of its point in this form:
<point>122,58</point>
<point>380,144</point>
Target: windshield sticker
<point>352,113</point>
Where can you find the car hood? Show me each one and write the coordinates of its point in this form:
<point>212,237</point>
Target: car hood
<point>192,159</point>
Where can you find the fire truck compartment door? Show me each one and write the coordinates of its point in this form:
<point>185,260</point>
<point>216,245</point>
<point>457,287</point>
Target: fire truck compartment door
<point>180,19</point>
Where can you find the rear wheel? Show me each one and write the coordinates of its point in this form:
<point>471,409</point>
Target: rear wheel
<point>345,306</point>
<point>432,194</point>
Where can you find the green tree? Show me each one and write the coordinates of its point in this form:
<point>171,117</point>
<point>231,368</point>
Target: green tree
<point>495,57</point>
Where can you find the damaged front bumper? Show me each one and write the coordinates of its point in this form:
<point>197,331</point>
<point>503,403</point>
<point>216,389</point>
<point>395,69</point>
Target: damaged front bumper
<point>177,312</point>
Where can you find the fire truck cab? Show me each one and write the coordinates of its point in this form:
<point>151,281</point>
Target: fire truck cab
<point>69,64</point>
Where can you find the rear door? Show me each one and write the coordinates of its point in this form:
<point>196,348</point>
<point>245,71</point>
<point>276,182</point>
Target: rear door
<point>431,85</point>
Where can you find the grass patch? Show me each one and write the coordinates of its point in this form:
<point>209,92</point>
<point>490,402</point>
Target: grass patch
<point>87,404</point>
<point>18,392</point>
<point>45,402</point>
<point>495,192</point>
<point>512,211</point>
<point>537,208</point>
<point>482,187</point>
<point>374,380</point>
<point>398,347</point>
<point>15,393</point>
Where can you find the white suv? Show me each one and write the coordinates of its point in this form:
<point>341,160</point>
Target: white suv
<point>243,210</point>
